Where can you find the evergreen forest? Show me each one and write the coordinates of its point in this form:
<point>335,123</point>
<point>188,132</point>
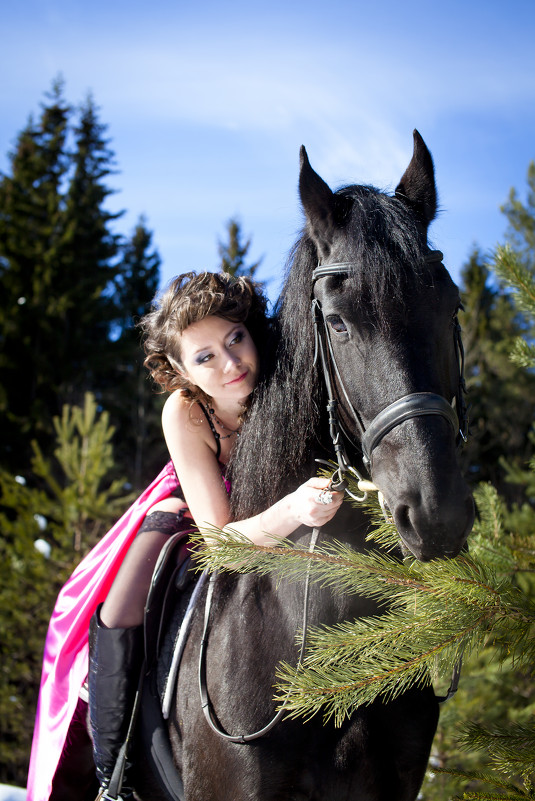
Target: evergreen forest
<point>80,420</point>
<point>81,435</point>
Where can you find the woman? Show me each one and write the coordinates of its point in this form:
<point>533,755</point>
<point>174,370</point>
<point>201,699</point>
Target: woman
<point>201,342</point>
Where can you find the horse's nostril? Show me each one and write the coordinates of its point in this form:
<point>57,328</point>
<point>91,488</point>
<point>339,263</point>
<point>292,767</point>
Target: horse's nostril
<point>427,534</point>
<point>402,518</point>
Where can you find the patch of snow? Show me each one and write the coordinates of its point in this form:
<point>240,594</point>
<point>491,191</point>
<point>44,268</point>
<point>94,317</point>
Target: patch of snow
<point>8,793</point>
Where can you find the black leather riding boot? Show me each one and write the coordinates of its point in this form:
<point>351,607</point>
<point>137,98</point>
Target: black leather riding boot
<point>115,660</point>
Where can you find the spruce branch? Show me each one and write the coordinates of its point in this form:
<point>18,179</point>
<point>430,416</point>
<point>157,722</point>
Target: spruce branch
<point>432,613</point>
<point>522,353</point>
<point>517,276</point>
<point>510,791</point>
<point>510,749</point>
<point>374,672</point>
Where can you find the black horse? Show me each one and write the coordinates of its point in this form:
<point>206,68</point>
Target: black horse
<point>384,315</point>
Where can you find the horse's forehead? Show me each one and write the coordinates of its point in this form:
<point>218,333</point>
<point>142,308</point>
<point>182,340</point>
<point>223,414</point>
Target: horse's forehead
<point>388,298</point>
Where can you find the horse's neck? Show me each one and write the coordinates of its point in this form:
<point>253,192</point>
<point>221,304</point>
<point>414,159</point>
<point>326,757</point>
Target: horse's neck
<point>349,527</point>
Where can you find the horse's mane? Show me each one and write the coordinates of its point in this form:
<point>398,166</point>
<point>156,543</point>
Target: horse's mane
<point>273,454</point>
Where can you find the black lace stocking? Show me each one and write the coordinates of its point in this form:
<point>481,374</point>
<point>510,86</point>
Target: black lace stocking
<point>126,599</point>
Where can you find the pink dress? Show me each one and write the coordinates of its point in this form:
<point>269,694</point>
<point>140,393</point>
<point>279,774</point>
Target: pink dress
<point>65,660</point>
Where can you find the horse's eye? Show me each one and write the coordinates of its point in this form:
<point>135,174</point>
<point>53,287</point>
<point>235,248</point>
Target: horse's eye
<point>337,324</point>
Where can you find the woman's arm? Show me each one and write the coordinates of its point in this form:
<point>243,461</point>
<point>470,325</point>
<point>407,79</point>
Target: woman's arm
<point>191,446</point>
<point>295,509</point>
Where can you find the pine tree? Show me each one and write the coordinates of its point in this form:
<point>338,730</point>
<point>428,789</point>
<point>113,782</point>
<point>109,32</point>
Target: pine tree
<point>233,253</point>
<point>71,286</point>
<point>44,532</point>
<point>30,232</point>
<point>139,275</point>
<point>87,265</point>
<point>26,581</point>
<point>131,400</point>
<point>491,324</point>
<point>83,458</point>
<point>521,218</point>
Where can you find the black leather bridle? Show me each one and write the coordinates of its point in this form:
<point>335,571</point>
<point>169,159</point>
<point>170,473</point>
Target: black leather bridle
<point>415,404</point>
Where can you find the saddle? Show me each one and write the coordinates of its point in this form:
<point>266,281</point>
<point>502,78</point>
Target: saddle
<point>168,612</point>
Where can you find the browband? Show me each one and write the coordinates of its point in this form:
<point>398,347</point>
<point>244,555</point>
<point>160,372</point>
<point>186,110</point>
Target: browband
<point>343,267</point>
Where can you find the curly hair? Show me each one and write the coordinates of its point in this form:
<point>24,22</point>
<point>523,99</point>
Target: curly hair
<point>188,299</point>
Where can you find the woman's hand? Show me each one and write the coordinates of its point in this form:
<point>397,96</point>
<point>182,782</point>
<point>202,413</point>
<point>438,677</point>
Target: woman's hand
<point>307,505</point>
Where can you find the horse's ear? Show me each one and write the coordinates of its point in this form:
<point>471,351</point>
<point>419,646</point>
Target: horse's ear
<point>318,205</point>
<point>418,182</point>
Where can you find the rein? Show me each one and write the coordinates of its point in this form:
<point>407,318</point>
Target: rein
<point>205,698</point>
<point>415,404</point>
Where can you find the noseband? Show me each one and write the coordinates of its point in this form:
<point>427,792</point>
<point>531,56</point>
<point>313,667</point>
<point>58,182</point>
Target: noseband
<point>415,404</point>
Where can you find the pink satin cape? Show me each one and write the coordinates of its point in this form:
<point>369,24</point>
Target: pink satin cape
<point>66,647</point>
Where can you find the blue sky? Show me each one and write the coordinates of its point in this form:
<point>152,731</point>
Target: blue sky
<point>207,105</point>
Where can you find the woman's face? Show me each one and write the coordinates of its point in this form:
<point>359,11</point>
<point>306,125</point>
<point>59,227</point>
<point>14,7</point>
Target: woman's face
<point>220,358</point>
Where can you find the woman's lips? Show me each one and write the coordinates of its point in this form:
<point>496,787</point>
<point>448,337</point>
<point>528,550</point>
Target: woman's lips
<point>239,378</point>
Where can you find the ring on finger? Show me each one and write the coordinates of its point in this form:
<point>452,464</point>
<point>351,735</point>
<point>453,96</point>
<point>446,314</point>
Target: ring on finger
<point>325,497</point>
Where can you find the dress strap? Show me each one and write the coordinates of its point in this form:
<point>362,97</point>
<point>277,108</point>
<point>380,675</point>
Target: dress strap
<point>214,432</point>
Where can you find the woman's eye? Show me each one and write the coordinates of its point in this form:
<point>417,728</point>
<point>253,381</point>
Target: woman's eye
<point>238,338</point>
<point>204,359</point>
<point>337,324</point>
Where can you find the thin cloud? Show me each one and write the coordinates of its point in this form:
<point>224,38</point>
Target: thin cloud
<point>207,105</point>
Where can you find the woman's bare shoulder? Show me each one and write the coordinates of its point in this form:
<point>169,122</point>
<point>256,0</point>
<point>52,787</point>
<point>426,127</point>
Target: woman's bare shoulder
<point>177,406</point>
<point>183,420</point>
